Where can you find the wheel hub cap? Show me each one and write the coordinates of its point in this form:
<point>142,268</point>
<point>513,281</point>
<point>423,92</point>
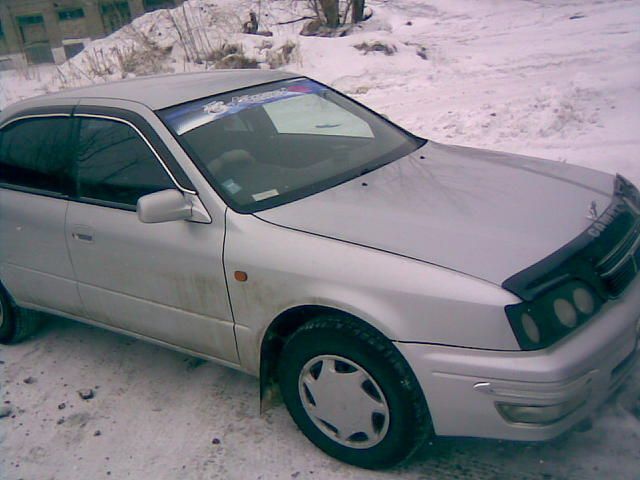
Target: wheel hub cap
<point>344,401</point>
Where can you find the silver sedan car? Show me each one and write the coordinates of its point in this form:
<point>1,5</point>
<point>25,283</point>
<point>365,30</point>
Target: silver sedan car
<point>387,287</point>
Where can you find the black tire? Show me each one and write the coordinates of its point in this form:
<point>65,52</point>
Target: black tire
<point>15,324</point>
<point>409,422</point>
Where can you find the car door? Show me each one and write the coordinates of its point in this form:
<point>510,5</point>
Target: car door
<point>35,164</point>
<point>164,281</point>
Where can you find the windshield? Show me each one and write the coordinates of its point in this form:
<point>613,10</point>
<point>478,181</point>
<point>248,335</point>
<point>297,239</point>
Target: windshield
<point>272,144</point>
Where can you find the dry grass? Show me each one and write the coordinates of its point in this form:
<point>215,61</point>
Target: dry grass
<point>376,46</point>
<point>283,55</point>
<point>237,61</point>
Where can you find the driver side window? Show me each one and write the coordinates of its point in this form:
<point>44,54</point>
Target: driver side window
<point>115,165</point>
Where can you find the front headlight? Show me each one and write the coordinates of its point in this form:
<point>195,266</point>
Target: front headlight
<point>629,193</point>
<point>584,301</point>
<point>530,328</point>
<point>547,319</point>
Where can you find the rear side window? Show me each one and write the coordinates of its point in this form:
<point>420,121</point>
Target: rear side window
<point>115,165</point>
<point>34,153</point>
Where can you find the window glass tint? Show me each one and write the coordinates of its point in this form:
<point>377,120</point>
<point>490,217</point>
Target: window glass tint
<point>34,154</point>
<point>115,165</point>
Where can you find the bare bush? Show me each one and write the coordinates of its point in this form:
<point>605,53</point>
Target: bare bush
<point>230,55</point>
<point>99,64</point>
<point>148,60</point>
<point>69,77</point>
<point>194,36</point>
<point>139,55</point>
<point>136,55</point>
<point>226,49</point>
<point>334,13</point>
<point>195,44</point>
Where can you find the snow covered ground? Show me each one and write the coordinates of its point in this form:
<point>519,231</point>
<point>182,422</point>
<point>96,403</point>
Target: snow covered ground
<point>558,79</point>
<point>165,416</point>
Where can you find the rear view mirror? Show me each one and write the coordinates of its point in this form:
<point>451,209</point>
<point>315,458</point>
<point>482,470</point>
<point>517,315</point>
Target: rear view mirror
<point>164,206</point>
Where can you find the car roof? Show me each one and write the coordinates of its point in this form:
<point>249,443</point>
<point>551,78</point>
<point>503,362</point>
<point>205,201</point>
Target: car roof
<point>161,91</point>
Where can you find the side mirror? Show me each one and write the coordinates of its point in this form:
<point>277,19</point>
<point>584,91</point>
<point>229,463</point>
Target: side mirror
<point>164,206</point>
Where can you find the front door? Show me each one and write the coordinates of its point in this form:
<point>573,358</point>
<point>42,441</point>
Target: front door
<point>164,281</point>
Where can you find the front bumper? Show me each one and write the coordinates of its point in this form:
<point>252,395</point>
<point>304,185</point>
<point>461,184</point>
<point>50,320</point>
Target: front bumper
<point>464,387</point>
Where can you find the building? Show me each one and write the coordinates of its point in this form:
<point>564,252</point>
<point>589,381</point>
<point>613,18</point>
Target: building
<point>52,31</point>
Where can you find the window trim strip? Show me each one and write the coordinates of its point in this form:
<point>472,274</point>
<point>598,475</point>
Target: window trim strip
<point>34,115</point>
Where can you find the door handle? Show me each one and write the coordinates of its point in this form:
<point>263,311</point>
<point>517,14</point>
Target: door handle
<point>82,233</point>
<point>83,237</point>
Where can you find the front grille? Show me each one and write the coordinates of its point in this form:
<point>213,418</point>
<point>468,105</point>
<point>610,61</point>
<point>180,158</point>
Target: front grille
<point>618,281</point>
<point>618,253</point>
<point>618,269</point>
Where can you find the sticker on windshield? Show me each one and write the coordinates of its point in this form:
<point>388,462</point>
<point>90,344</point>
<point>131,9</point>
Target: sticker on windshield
<point>264,195</point>
<point>231,186</point>
<point>261,97</point>
<point>186,118</point>
<point>215,108</point>
<point>220,109</point>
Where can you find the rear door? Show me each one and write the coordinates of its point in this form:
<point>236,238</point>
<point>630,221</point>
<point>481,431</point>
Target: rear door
<point>164,281</point>
<point>35,164</point>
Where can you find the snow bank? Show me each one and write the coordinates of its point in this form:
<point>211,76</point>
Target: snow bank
<point>554,79</point>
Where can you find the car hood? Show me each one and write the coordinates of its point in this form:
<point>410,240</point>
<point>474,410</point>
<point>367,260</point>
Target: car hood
<point>487,214</point>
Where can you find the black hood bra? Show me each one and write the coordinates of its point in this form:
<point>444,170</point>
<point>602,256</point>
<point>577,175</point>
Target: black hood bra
<point>606,256</point>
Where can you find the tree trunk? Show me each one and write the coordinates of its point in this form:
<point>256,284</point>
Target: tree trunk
<point>331,12</point>
<point>357,13</point>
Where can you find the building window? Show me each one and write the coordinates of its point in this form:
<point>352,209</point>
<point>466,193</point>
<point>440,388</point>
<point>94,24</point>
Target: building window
<point>115,15</point>
<point>150,5</point>
<point>72,49</point>
<point>1,31</point>
<point>30,20</point>
<point>71,14</point>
